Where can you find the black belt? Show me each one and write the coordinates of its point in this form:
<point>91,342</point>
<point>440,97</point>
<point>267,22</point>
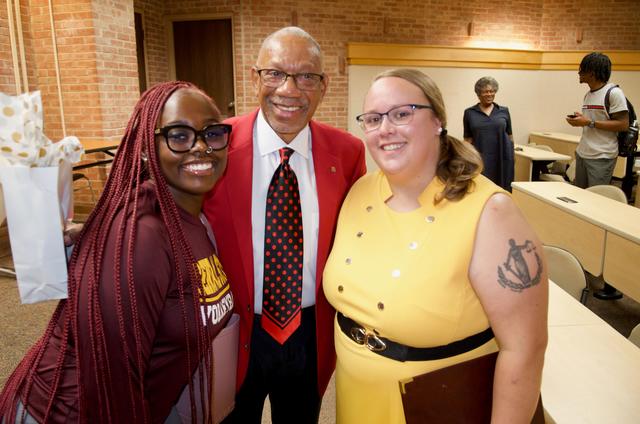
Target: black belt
<point>399,352</point>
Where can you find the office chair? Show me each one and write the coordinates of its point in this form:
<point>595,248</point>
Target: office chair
<point>610,191</point>
<point>634,337</point>
<point>555,167</point>
<point>80,176</point>
<point>565,270</point>
<point>568,176</point>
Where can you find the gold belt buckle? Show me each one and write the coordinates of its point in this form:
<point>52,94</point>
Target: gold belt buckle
<point>370,340</point>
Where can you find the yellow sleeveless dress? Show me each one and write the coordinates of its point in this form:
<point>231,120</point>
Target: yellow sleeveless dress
<point>404,275</point>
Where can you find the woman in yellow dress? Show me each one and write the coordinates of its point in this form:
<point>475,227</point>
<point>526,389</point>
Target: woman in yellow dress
<point>428,252</point>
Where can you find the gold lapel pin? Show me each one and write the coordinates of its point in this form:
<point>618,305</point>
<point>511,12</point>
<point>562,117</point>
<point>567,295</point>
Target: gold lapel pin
<point>333,169</point>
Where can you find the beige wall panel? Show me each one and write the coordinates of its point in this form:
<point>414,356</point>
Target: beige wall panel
<point>537,99</point>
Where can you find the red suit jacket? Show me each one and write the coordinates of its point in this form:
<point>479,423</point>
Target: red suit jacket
<point>339,161</point>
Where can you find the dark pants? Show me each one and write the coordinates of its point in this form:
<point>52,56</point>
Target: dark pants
<point>286,373</point>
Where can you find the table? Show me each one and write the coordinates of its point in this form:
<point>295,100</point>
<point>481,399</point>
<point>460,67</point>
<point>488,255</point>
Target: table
<point>591,371</point>
<point>621,263</point>
<point>525,156</point>
<point>565,310</point>
<point>97,146</point>
<point>567,144</point>
<point>602,233</point>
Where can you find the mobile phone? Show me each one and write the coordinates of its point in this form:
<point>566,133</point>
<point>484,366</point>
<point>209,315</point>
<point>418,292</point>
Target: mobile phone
<point>573,115</point>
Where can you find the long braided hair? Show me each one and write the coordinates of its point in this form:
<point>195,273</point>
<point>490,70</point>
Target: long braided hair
<point>120,196</point>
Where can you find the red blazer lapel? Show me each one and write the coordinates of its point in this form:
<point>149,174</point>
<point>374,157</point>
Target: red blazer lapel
<point>330,193</point>
<point>239,174</point>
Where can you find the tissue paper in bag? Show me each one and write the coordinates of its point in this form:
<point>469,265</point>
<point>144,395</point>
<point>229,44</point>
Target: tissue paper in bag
<point>35,174</point>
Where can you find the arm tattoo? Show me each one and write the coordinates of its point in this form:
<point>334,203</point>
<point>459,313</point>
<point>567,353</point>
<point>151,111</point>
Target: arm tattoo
<point>515,272</point>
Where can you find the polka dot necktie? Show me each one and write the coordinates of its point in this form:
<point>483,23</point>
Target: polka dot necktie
<point>283,251</point>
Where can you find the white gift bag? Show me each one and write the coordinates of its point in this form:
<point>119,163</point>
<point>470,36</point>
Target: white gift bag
<point>34,220</point>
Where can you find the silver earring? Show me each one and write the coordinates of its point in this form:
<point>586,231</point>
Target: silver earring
<point>209,150</point>
<point>439,130</point>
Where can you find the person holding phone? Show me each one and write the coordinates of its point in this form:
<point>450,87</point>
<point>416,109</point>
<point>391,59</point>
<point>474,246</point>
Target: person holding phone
<point>600,119</point>
<point>597,151</point>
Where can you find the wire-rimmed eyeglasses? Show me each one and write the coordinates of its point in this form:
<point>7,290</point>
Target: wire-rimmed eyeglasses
<point>399,115</point>
<point>274,78</point>
<point>181,138</point>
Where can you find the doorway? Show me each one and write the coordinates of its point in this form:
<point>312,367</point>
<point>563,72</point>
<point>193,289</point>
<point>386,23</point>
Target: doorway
<point>142,66</point>
<point>203,55</point>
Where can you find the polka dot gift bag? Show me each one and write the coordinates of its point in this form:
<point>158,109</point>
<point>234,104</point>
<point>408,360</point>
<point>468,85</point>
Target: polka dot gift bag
<point>35,178</point>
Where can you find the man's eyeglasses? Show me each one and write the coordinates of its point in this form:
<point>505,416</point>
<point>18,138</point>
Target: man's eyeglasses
<point>274,78</point>
<point>399,115</point>
<point>182,138</point>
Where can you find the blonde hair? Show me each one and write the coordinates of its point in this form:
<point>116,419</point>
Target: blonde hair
<point>459,162</point>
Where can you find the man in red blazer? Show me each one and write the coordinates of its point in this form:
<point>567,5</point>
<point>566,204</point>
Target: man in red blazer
<point>290,84</point>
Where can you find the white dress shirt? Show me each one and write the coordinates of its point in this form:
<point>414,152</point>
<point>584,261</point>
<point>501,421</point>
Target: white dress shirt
<point>266,159</point>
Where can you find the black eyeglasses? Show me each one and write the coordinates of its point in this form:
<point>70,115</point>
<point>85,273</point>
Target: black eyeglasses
<point>307,81</point>
<point>182,138</point>
<point>399,115</point>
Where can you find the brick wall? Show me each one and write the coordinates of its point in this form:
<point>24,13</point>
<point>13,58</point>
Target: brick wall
<point>97,67</point>
<point>155,47</point>
<point>605,25</point>
<point>96,54</point>
<point>96,45</point>
<point>534,24</point>
<point>6,63</point>
<point>7,80</point>
<point>116,63</point>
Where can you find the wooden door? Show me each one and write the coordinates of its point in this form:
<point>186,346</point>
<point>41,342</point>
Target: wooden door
<point>203,55</point>
<point>142,67</point>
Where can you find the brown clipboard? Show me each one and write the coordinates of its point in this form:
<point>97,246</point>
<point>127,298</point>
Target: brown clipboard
<point>461,393</point>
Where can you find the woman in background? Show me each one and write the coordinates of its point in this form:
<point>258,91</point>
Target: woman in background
<point>147,294</point>
<point>487,126</point>
<point>430,254</point>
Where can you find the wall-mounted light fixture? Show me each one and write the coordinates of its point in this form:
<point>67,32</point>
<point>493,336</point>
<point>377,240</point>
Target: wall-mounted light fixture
<point>470,28</point>
<point>294,18</point>
<point>385,25</point>
<point>579,35</point>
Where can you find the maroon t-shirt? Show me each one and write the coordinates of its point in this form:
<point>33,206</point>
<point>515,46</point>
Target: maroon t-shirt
<point>161,324</point>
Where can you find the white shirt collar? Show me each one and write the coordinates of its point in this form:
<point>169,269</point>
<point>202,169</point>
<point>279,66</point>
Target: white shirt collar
<point>269,141</point>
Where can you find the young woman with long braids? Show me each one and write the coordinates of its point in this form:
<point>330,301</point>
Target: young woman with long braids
<point>132,336</point>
